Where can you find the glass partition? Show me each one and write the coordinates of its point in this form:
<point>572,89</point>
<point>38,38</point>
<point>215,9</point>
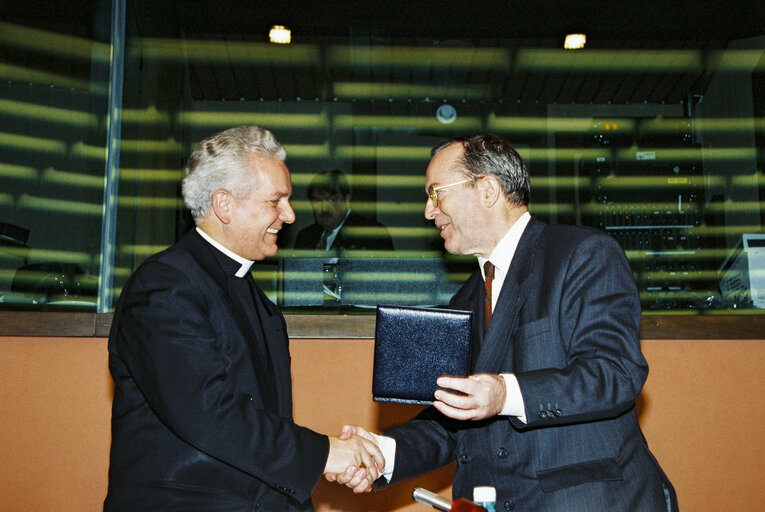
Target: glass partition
<point>656,141</point>
<point>54,85</point>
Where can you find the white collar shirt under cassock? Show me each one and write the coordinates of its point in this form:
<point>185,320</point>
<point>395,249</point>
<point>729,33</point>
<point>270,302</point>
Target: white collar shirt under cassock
<point>244,262</point>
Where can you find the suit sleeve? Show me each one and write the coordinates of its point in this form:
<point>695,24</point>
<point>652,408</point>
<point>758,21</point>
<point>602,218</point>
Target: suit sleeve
<point>598,369</point>
<point>185,364</point>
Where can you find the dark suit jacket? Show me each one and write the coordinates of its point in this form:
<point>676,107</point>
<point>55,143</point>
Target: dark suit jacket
<point>350,237</point>
<point>566,324</point>
<point>202,413</point>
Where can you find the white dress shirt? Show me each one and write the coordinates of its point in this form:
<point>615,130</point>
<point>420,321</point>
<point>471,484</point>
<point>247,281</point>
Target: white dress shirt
<point>501,257</point>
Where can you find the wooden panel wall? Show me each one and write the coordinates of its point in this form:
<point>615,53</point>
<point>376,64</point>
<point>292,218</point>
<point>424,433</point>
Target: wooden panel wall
<point>701,411</point>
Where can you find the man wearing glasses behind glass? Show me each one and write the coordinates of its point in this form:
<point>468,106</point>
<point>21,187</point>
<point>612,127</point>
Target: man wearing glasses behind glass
<point>548,416</point>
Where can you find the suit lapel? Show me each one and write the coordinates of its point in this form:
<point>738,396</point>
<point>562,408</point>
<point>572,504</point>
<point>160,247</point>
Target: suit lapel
<point>504,319</point>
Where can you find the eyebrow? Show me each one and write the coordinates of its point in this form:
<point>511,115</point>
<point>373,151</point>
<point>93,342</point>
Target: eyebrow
<point>276,195</point>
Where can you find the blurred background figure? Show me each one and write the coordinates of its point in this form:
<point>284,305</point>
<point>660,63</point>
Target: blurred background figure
<point>336,226</point>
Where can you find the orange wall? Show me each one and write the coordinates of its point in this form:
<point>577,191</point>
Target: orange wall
<point>701,410</point>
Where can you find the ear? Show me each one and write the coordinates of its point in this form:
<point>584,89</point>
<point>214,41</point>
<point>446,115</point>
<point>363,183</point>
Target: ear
<point>222,205</point>
<point>491,191</point>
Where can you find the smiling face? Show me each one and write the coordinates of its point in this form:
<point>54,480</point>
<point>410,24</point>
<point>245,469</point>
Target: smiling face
<point>256,220</point>
<point>460,214</point>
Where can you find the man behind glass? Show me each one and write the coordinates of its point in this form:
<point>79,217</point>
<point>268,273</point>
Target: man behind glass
<point>202,411</point>
<point>336,226</point>
<point>548,416</point>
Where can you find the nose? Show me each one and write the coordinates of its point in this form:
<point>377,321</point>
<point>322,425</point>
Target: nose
<point>430,210</point>
<point>287,214</point>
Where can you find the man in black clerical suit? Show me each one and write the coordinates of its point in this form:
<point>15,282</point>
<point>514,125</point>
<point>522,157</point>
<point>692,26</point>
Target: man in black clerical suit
<point>336,226</point>
<point>202,411</point>
<point>548,416</point>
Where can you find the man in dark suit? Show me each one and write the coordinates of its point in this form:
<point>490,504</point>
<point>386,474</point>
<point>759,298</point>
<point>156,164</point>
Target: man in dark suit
<point>202,412</point>
<point>548,416</point>
<point>336,226</point>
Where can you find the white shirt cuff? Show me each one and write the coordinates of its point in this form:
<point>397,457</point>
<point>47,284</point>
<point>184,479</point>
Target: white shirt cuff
<point>387,446</point>
<point>513,398</point>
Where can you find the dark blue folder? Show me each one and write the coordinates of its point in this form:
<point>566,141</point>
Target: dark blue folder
<point>413,347</point>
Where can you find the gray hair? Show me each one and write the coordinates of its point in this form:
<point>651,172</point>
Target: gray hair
<point>218,162</point>
<point>486,154</point>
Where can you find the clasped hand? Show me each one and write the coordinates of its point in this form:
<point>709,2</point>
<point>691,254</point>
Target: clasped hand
<point>354,460</point>
<point>483,396</point>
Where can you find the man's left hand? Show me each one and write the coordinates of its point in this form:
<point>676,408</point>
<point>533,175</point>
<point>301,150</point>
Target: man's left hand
<point>484,396</point>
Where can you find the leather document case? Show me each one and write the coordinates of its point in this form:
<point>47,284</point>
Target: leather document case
<point>413,347</point>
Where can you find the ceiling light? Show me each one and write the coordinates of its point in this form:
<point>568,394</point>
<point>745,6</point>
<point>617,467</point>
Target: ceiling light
<point>279,34</point>
<point>574,41</point>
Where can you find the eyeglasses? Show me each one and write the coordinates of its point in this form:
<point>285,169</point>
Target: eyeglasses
<point>432,191</point>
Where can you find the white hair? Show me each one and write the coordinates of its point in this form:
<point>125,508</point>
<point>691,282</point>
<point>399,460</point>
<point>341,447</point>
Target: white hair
<point>218,162</point>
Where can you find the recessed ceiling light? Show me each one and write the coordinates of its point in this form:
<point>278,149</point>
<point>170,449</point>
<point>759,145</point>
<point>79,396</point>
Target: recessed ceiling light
<point>574,41</point>
<point>279,34</point>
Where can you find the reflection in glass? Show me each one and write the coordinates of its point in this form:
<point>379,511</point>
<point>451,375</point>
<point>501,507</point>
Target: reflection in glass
<point>657,141</point>
<point>54,65</point>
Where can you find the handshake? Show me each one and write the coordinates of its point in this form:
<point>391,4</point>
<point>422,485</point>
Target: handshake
<point>354,460</point>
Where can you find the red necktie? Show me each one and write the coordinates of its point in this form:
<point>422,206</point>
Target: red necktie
<point>488,270</point>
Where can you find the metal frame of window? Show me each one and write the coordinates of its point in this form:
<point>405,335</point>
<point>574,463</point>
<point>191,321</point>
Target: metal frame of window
<point>109,220</point>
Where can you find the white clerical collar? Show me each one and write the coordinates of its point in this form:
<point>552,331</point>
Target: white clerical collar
<point>502,255</point>
<point>246,264</point>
